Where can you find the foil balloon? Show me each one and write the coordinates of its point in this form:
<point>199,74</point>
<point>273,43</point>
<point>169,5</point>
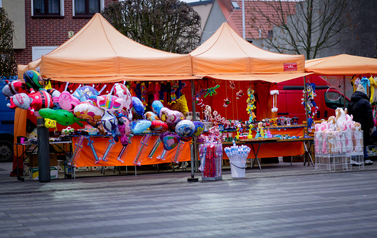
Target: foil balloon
<point>33,101</point>
<point>140,126</point>
<point>169,140</point>
<point>164,114</point>
<point>61,116</point>
<point>185,128</point>
<point>137,106</point>
<point>150,116</point>
<point>110,123</point>
<point>20,100</point>
<point>124,129</point>
<point>88,112</point>
<point>84,93</point>
<point>199,128</point>
<point>173,117</point>
<point>156,106</point>
<point>108,102</point>
<point>34,80</point>
<point>66,101</point>
<point>14,87</point>
<point>159,126</point>
<point>122,92</point>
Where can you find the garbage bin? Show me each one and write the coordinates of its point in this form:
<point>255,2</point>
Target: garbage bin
<point>211,155</point>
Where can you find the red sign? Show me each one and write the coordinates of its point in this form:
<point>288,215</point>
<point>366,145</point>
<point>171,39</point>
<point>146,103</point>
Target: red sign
<point>290,66</point>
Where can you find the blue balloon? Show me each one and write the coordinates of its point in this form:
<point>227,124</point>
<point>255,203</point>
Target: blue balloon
<point>138,106</point>
<point>156,106</point>
<point>140,126</point>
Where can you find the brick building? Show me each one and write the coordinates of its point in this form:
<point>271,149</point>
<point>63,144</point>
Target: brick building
<point>42,25</point>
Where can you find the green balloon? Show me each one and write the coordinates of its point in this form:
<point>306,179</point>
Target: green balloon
<point>61,116</point>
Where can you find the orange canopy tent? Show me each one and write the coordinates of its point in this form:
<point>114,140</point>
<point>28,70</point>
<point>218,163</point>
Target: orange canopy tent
<point>342,64</point>
<point>99,53</point>
<point>226,55</point>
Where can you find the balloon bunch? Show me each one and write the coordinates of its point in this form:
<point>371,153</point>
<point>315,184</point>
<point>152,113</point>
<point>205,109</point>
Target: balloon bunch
<point>172,124</point>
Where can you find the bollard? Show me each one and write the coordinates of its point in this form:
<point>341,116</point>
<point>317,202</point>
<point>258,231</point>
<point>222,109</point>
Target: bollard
<point>43,151</point>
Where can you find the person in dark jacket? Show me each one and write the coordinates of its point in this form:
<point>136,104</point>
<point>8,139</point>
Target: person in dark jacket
<point>361,110</point>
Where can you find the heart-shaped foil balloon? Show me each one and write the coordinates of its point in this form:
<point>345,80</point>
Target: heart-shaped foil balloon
<point>169,140</point>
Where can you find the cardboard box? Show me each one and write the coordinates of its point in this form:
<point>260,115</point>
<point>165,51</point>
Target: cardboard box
<point>33,160</point>
<point>34,172</point>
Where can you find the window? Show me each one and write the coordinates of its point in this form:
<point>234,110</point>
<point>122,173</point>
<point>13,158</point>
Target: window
<point>270,33</point>
<point>86,7</point>
<point>1,3</point>
<point>38,51</point>
<point>46,8</point>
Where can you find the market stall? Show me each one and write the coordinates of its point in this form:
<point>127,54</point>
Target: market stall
<point>95,58</point>
<point>247,76</point>
<point>358,70</point>
<point>108,80</point>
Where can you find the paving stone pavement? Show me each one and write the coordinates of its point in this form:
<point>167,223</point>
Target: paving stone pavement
<point>278,201</point>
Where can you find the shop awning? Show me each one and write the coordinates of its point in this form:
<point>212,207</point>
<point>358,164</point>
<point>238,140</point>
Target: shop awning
<point>342,64</point>
<point>98,53</point>
<point>225,52</point>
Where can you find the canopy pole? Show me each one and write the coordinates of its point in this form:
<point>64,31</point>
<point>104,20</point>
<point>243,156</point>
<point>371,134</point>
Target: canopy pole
<point>344,91</point>
<point>306,110</point>
<point>194,146</point>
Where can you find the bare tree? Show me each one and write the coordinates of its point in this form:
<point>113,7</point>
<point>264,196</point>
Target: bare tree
<point>169,25</point>
<point>7,61</point>
<point>301,26</point>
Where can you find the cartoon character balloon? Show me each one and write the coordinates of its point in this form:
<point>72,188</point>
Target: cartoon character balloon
<point>185,128</point>
<point>150,116</point>
<point>169,140</point>
<point>159,126</point>
<point>83,93</point>
<point>110,123</point>
<point>33,101</point>
<point>14,87</point>
<point>124,130</point>
<point>61,116</point>
<point>88,112</point>
<point>108,102</point>
<point>122,91</point>
<point>34,80</point>
<point>66,101</point>
<point>199,128</point>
